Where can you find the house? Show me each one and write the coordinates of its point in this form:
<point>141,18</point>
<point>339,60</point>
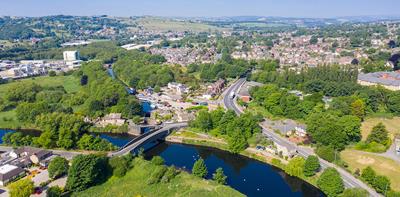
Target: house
<point>244,90</point>
<point>178,88</point>
<point>9,173</point>
<point>26,156</point>
<point>388,80</point>
<point>39,156</point>
<point>111,119</point>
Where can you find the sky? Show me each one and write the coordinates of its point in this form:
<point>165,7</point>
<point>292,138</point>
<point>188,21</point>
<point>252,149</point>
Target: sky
<point>198,8</point>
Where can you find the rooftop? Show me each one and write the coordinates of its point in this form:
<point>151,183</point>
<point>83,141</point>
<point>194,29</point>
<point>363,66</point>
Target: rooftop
<point>384,78</point>
<point>7,168</point>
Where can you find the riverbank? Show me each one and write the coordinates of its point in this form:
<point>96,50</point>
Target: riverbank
<point>135,183</point>
<point>193,138</point>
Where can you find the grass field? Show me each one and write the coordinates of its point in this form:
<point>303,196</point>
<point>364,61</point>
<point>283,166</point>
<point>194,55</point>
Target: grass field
<point>392,125</point>
<point>158,24</point>
<point>70,83</point>
<point>9,120</point>
<point>382,165</point>
<point>134,184</point>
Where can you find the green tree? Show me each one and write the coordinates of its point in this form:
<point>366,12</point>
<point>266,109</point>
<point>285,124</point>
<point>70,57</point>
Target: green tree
<point>330,182</point>
<point>54,191</point>
<point>86,171</point>
<point>157,160</point>
<point>119,165</point>
<point>199,168</point>
<point>368,174</point>
<point>379,134</point>
<point>21,188</point>
<point>219,176</point>
<point>295,167</point>
<point>58,167</point>
<point>311,166</point>
<point>354,192</point>
<point>381,184</point>
<point>358,108</point>
<point>237,142</point>
<point>327,153</point>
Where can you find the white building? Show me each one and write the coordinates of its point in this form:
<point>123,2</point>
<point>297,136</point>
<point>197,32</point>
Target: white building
<point>9,172</point>
<point>71,55</point>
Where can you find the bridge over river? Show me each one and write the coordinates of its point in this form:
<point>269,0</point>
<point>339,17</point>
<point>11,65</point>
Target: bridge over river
<point>153,135</point>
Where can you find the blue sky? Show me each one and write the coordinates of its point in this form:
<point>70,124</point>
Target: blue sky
<point>288,8</point>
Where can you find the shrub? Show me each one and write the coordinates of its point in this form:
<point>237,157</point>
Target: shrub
<point>157,175</point>
<point>58,167</point>
<point>381,184</point>
<point>157,160</point>
<point>169,174</point>
<point>327,153</point>
<point>368,174</point>
<point>200,169</point>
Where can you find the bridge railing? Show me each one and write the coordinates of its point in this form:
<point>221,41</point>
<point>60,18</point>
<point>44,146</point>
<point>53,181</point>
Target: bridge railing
<point>139,138</point>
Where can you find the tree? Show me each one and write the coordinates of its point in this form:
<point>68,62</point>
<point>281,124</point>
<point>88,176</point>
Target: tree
<point>381,184</point>
<point>86,171</point>
<point>311,166</point>
<point>237,142</point>
<point>313,40</point>
<point>199,168</point>
<point>330,182</point>
<point>52,73</point>
<point>354,192</point>
<point>368,174</point>
<point>21,188</point>
<point>157,160</point>
<point>204,121</point>
<point>379,134</point>
<point>327,153</point>
<point>54,191</point>
<point>219,176</point>
<point>119,165</point>
<point>358,108</point>
<point>295,167</point>
<point>58,167</point>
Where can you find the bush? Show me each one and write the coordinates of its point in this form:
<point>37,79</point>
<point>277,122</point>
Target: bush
<point>327,153</point>
<point>354,192</point>
<point>371,147</point>
<point>157,160</point>
<point>381,184</point>
<point>157,175</point>
<point>295,167</point>
<point>169,174</point>
<point>119,165</point>
<point>58,167</point>
<point>368,174</point>
<point>54,191</point>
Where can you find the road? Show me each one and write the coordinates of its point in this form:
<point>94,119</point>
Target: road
<point>349,180</point>
<point>142,140</point>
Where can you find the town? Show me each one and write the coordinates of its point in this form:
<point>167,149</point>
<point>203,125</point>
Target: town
<point>105,105</point>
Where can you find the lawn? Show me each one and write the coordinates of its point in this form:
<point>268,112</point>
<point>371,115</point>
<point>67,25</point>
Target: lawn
<point>9,120</point>
<point>392,125</point>
<point>134,184</point>
<point>382,165</point>
<point>70,83</point>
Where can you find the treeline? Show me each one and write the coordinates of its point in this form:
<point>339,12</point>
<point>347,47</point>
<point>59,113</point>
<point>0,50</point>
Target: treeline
<point>60,114</point>
<point>236,129</point>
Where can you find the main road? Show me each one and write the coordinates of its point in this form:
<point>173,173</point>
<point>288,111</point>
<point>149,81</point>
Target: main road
<point>349,180</point>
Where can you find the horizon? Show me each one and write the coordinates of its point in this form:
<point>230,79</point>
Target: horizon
<point>205,8</point>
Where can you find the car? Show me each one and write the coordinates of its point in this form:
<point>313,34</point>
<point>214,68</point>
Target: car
<point>38,190</point>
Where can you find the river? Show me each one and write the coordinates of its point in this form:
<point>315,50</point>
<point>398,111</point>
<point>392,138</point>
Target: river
<point>250,177</point>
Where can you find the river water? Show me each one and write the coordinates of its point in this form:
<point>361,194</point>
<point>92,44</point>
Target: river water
<point>250,177</point>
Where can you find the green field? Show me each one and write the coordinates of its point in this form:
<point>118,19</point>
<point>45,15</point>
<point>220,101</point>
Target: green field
<point>70,83</point>
<point>392,125</point>
<point>134,184</point>
<point>381,165</point>
<point>8,119</point>
<point>159,24</point>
